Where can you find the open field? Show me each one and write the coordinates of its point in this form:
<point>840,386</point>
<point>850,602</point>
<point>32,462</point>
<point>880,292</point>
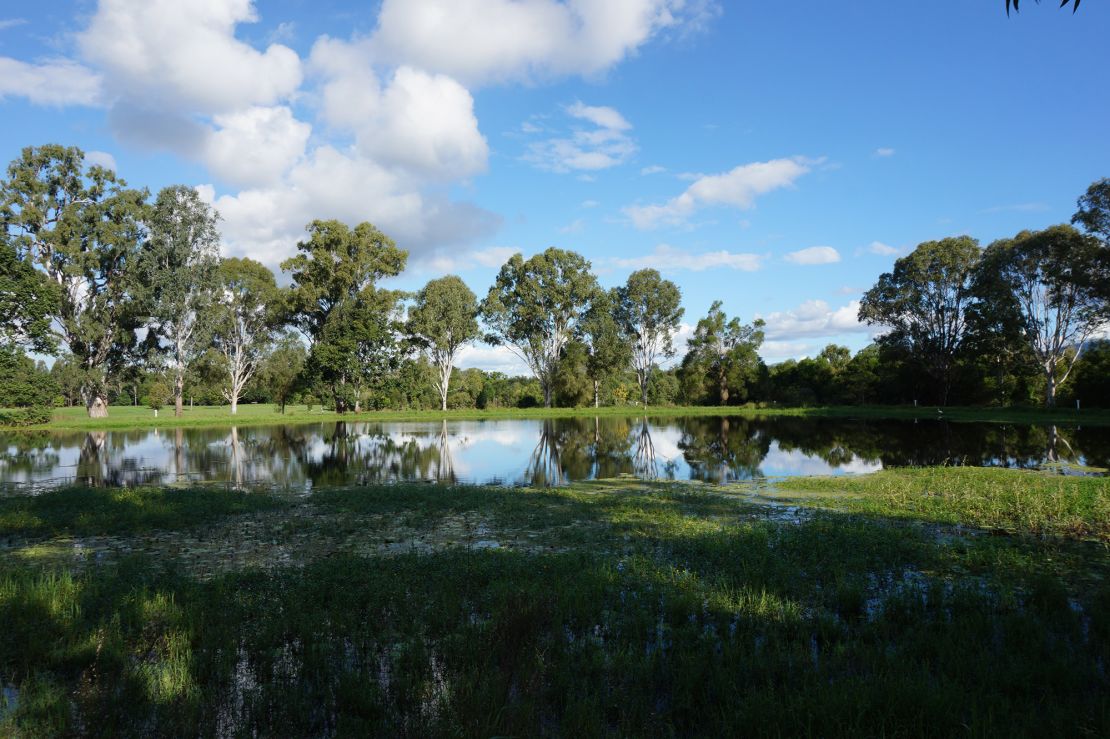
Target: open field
<point>128,417</point>
<point>884,604</point>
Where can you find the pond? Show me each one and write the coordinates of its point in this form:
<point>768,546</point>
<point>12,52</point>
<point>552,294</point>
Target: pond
<point>534,451</point>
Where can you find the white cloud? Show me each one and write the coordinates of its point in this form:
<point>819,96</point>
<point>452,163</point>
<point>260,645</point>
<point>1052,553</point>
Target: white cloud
<point>605,145</point>
<point>777,351</point>
<point>257,145</point>
<point>885,250</point>
<point>7,23</point>
<point>653,169</point>
<point>491,359</point>
<point>590,204</point>
<point>444,262</point>
<point>101,159</point>
<point>884,151</point>
<point>667,257</point>
<point>530,38</point>
<point>737,188</point>
<point>574,227</point>
<point>184,56</point>
<point>55,82</point>
<point>814,255</point>
<point>813,318</point>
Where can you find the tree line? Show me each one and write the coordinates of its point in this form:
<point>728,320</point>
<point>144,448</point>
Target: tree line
<point>132,296</point>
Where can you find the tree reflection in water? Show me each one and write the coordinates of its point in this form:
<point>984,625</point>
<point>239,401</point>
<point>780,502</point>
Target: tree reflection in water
<point>712,449</point>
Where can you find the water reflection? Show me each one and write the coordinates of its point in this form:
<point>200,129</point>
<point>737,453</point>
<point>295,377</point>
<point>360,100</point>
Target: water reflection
<point>535,452</point>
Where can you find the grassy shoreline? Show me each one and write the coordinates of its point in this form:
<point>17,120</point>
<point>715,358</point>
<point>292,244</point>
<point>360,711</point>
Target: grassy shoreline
<point>131,417</point>
<point>612,607</point>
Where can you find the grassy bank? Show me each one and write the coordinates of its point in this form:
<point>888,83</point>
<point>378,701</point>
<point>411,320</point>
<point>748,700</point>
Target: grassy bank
<point>131,417</point>
<point>840,607</point>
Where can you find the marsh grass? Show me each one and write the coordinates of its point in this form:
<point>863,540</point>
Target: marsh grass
<point>654,609</point>
<point>1024,502</point>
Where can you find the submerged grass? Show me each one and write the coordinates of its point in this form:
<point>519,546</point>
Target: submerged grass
<point>610,608</point>
<point>130,417</point>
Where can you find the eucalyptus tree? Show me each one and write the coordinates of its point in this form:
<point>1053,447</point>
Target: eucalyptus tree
<point>1093,212</point>
<point>725,351</point>
<point>84,229</point>
<point>27,301</point>
<point>334,278</point>
<point>245,314</point>
<point>1045,286</point>
<point>535,306</point>
<point>648,309</point>
<point>179,266</point>
<point>443,319</point>
<point>925,303</point>
<point>609,353</point>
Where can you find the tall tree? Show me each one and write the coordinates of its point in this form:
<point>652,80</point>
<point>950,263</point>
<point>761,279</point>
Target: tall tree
<point>333,280</point>
<point>85,230</point>
<point>1046,284</point>
<point>245,315</point>
<point>609,353</point>
<point>535,306</point>
<point>282,368</point>
<point>648,309</point>
<point>924,302</point>
<point>725,350</point>
<point>443,319</point>
<point>179,265</point>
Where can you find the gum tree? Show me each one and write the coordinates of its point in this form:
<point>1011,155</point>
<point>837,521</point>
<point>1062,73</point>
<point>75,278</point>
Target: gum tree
<point>443,319</point>
<point>84,229</point>
<point>179,266</point>
<point>609,353</point>
<point>535,306</point>
<point>648,309</point>
<point>1046,287</point>
<point>925,303</point>
<point>333,282</point>
<point>725,351</point>
<point>245,315</point>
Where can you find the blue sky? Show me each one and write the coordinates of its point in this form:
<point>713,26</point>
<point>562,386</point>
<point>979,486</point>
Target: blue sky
<point>777,156</point>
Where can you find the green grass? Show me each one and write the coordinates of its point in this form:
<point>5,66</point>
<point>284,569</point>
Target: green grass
<point>608,608</point>
<point>111,511</point>
<point>1024,502</point>
<point>129,417</point>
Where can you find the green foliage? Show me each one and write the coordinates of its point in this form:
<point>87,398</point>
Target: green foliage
<point>333,301</point>
<point>23,382</point>
<point>1016,3</point>
<point>608,351</point>
<point>178,265</point>
<point>1090,382</point>
<point>648,310</point>
<point>158,394</point>
<point>248,310</point>
<point>535,307</point>
<point>281,370</point>
<point>722,359</point>
<point>30,416</point>
<point>27,301</point>
<point>924,302</point>
<point>443,318</point>
<point>85,231</point>
<point>1093,212</point>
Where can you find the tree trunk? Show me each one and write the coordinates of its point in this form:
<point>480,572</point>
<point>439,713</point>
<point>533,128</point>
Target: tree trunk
<point>443,397</point>
<point>722,384</point>
<point>1050,385</point>
<point>358,406</point>
<point>234,404</point>
<point>643,391</point>
<point>97,406</point>
<point>597,394</point>
<point>547,395</point>
<point>178,394</point>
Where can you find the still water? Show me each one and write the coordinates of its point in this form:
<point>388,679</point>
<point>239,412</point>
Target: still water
<point>533,451</point>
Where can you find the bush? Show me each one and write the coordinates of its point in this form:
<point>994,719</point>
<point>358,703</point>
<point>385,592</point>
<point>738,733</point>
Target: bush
<point>32,416</point>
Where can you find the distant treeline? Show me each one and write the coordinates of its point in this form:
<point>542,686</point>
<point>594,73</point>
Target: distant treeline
<point>132,297</point>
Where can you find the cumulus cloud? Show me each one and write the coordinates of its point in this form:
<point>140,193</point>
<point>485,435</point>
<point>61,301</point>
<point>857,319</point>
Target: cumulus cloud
<point>737,188</point>
<point>653,169</point>
<point>256,145</point>
<point>606,144</point>
<point>666,257</point>
<point>813,318</point>
<point>54,82</point>
<point>530,39</point>
<point>185,56</point>
<point>491,359</point>
<point>814,255</point>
